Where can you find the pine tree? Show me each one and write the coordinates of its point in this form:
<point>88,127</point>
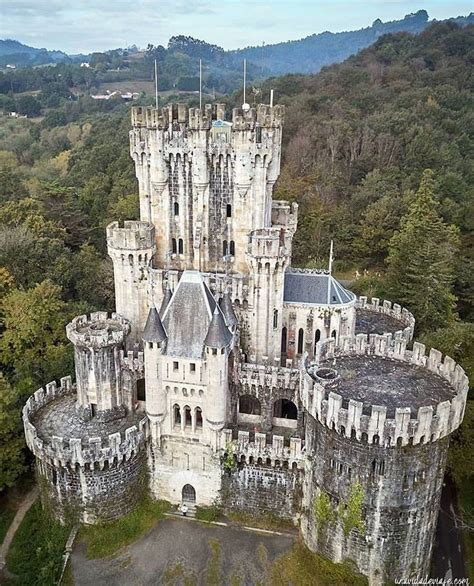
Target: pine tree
<point>421,260</point>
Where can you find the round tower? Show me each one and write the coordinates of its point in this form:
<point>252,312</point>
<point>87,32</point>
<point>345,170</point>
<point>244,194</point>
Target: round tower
<point>88,439</point>
<point>97,342</point>
<point>377,433</point>
<point>131,249</point>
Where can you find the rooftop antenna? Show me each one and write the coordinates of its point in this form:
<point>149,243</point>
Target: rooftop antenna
<point>156,85</point>
<point>200,84</point>
<point>245,106</point>
<point>271,98</point>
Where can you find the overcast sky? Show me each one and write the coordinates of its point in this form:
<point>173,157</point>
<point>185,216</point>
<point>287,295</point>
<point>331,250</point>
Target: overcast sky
<point>96,25</point>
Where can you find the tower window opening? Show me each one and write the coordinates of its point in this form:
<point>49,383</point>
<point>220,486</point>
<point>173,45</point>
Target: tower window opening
<point>180,246</point>
<point>224,248</point>
<point>258,134</point>
<point>333,334</point>
<point>141,391</point>
<point>187,416</point>
<point>317,337</point>
<point>176,208</point>
<point>174,249</point>
<point>198,417</point>
<point>176,415</point>
<point>285,409</point>
<point>283,340</point>
<point>275,319</point>
<point>250,405</point>
<point>232,248</point>
<point>228,209</point>
<point>300,340</point>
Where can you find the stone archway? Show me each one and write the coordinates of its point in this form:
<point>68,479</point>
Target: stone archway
<point>188,494</point>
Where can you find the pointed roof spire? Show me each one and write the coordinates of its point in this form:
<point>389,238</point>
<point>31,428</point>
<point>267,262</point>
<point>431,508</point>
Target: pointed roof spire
<point>218,334</point>
<point>154,330</point>
<point>166,299</point>
<point>228,311</point>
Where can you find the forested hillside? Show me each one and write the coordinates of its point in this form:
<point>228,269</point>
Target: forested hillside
<point>377,151</point>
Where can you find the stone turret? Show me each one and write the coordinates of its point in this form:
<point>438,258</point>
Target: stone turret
<point>97,341</point>
<point>379,417</point>
<point>131,249</point>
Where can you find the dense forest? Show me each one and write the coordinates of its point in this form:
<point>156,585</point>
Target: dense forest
<point>377,152</point>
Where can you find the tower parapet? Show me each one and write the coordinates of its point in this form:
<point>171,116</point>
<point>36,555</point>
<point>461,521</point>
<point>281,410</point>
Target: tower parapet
<point>395,415</point>
<point>377,317</point>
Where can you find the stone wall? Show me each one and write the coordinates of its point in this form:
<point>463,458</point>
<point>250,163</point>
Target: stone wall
<point>261,490</point>
<point>402,489</point>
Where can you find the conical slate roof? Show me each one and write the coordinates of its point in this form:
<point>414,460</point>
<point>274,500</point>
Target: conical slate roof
<point>166,299</point>
<point>218,335</point>
<point>154,330</point>
<point>228,311</point>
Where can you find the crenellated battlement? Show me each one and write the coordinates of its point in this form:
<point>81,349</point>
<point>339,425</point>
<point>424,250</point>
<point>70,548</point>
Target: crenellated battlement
<point>392,310</point>
<point>134,235</point>
<point>267,243</point>
<point>285,214</point>
<point>259,451</point>
<point>263,115</point>
<point>267,376</point>
<point>133,361</point>
<point>324,392</point>
<point>98,330</point>
<point>94,451</point>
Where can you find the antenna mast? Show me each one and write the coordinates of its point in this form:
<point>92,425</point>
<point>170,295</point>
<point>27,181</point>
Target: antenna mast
<point>156,85</point>
<point>331,256</point>
<point>200,84</point>
<point>245,80</point>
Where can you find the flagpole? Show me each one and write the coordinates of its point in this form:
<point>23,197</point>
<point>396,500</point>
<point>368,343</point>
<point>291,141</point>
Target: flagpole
<point>156,85</point>
<point>200,84</point>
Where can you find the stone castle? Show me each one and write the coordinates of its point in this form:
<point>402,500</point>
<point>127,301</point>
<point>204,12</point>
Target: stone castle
<point>227,376</point>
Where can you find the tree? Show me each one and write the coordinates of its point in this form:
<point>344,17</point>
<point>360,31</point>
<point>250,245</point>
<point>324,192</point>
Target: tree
<point>421,261</point>
<point>28,105</point>
<point>12,458</point>
<point>34,346</point>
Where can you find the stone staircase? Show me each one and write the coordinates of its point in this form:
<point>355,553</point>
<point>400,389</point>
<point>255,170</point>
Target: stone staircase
<point>190,514</point>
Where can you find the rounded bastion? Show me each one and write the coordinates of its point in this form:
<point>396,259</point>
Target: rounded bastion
<point>88,439</point>
<point>379,418</point>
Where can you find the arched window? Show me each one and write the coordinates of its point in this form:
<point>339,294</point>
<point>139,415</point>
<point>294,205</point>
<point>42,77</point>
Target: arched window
<point>174,249</point>
<point>250,405</point>
<point>333,334</point>
<point>224,248</point>
<point>232,248</point>
<point>258,134</point>
<point>317,337</point>
<point>180,246</point>
<point>176,208</point>
<point>285,409</point>
<point>198,415</point>
<point>283,340</point>
<point>130,259</point>
<point>300,340</point>
<point>187,416</point>
<point>228,210</point>
<point>275,319</point>
<point>176,415</point>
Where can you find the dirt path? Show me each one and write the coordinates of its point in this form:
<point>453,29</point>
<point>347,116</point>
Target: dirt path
<point>20,514</point>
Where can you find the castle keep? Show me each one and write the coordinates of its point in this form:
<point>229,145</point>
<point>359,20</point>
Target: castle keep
<point>226,375</point>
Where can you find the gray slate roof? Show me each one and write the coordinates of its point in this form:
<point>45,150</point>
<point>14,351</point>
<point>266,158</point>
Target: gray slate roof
<point>312,287</point>
<point>154,331</point>
<point>228,311</point>
<point>218,335</point>
<point>188,316</point>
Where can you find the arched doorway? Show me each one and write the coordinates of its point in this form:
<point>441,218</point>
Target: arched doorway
<point>285,413</point>
<point>188,494</point>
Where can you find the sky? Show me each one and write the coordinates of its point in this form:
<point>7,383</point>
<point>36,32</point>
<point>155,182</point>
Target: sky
<point>83,26</point>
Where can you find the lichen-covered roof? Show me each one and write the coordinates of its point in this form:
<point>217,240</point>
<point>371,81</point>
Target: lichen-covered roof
<point>373,322</point>
<point>188,315</point>
<point>154,331</point>
<point>228,311</point>
<point>375,380</point>
<point>218,335</point>
<point>318,288</point>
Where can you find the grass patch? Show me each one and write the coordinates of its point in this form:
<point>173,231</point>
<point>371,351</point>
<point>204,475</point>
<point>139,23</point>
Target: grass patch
<point>208,514</point>
<point>213,571</point>
<point>6,517</point>
<point>301,566</point>
<point>36,553</point>
<point>105,539</point>
<point>267,521</point>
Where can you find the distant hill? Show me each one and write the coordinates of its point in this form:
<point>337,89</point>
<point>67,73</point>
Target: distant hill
<point>18,54</point>
<point>310,54</point>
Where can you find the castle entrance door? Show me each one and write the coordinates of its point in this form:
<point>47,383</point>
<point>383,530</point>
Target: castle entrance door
<point>189,494</point>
